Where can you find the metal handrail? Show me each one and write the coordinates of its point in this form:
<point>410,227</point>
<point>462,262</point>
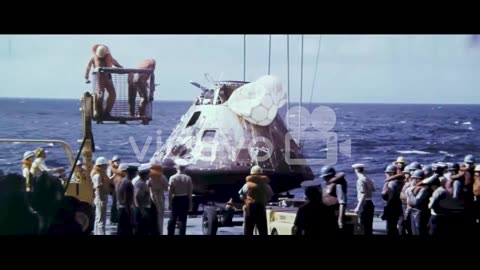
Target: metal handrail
<point>67,148</point>
<point>123,70</point>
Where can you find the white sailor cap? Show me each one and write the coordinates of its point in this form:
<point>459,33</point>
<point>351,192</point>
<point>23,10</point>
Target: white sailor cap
<point>311,183</point>
<point>144,167</point>
<point>115,158</point>
<point>133,165</point>
<point>123,167</point>
<point>358,165</point>
<point>181,162</point>
<point>28,154</point>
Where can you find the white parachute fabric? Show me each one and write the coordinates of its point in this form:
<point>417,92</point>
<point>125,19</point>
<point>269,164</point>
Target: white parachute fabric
<point>258,102</point>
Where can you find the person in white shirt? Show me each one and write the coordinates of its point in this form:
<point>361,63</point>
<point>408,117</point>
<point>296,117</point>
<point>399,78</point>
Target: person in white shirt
<point>39,166</point>
<point>28,158</point>
<point>180,194</point>
<point>158,185</point>
<point>365,207</point>
<point>101,185</point>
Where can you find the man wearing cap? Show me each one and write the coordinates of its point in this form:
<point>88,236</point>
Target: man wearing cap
<point>336,187</point>
<point>404,225</point>
<point>256,193</point>
<point>454,186</point>
<point>142,201</point>
<point>438,219</point>
<point>101,185</point>
<point>419,197</point>
<point>180,196</point>
<point>102,58</point>
<point>114,175</point>
<point>28,158</point>
<point>467,173</point>
<point>125,200</point>
<point>392,212</point>
<point>79,174</point>
<point>400,164</point>
<point>158,185</point>
<point>39,166</point>
<point>365,208</point>
<point>113,168</point>
<point>314,218</point>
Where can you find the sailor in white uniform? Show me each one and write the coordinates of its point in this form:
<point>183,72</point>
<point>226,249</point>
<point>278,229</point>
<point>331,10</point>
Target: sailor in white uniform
<point>365,208</point>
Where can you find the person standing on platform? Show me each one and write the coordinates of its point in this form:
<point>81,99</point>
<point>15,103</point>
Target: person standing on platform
<point>125,201</point>
<point>365,207</point>
<point>142,201</point>
<point>103,58</point>
<point>256,193</point>
<point>113,173</point>
<point>180,195</point>
<point>139,83</point>
<point>158,185</point>
<point>101,185</point>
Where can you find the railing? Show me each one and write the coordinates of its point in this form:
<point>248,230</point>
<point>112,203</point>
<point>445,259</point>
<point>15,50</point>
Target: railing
<point>67,148</point>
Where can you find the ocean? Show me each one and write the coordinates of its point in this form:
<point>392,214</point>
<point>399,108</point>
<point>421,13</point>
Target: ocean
<point>376,133</point>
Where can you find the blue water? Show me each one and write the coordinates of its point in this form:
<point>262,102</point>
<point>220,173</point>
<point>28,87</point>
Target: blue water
<point>378,134</point>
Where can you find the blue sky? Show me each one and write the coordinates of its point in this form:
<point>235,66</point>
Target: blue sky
<point>352,68</point>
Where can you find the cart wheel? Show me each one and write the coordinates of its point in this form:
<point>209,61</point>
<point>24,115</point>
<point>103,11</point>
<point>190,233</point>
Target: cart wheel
<point>210,221</point>
<point>85,216</point>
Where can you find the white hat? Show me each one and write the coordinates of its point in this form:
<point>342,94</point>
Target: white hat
<point>101,161</point>
<point>181,162</point>
<point>256,170</point>
<point>469,159</point>
<point>115,158</point>
<point>134,165</point>
<point>101,51</point>
<point>28,154</point>
<point>144,167</point>
<point>358,166</point>
<point>123,167</point>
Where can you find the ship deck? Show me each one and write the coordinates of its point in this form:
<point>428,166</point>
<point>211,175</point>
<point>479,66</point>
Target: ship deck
<point>194,226</point>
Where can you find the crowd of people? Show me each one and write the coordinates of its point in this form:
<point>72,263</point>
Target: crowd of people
<point>137,192</point>
<point>436,199</point>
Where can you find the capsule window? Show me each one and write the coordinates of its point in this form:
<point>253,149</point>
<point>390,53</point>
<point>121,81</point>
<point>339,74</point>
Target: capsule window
<point>194,119</point>
<point>208,135</point>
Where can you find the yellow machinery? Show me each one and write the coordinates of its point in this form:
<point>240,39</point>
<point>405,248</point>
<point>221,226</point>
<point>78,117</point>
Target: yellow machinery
<point>280,220</point>
<point>81,189</point>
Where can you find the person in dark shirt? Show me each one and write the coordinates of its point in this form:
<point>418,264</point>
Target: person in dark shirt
<point>315,218</point>
<point>125,202</point>
<point>336,186</point>
<point>16,215</point>
<point>393,212</point>
<point>65,222</point>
